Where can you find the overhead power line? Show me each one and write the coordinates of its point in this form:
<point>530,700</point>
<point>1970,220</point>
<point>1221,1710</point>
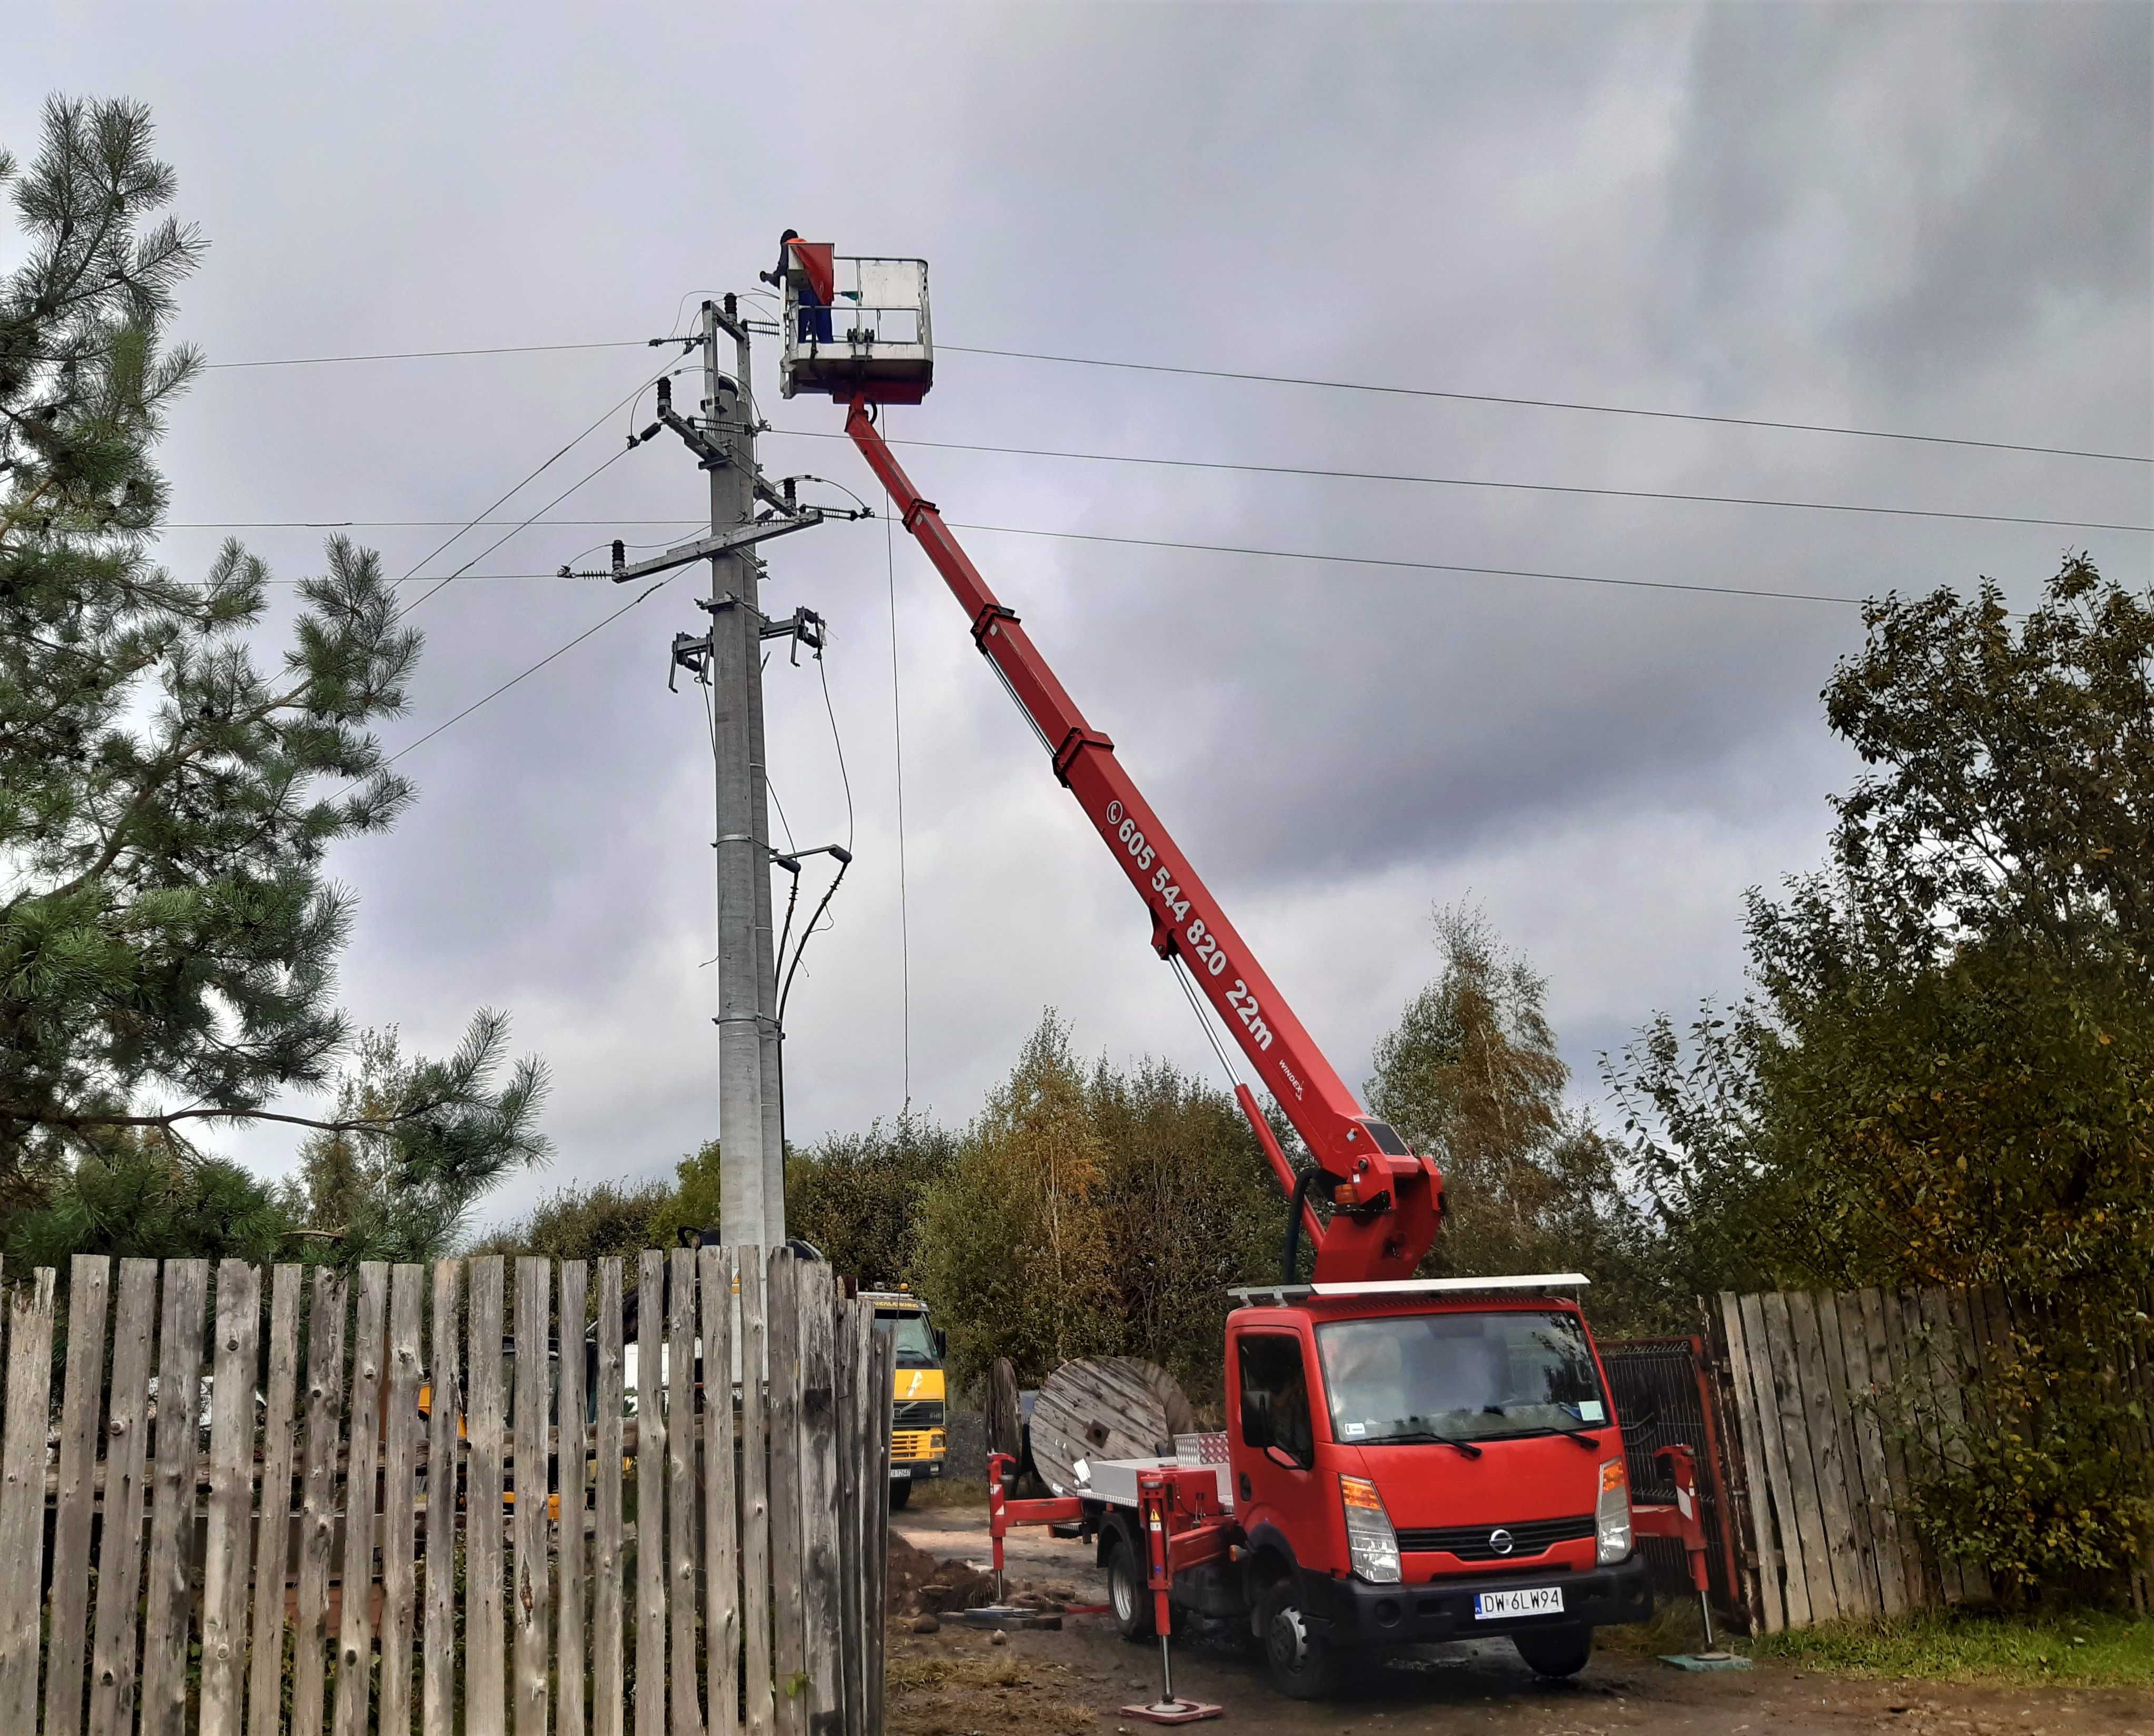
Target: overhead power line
<point>1461,482</point>
<point>1419,566</point>
<point>1343,386</point>
<point>658,585</point>
<point>1675,415</point>
<point>316,361</point>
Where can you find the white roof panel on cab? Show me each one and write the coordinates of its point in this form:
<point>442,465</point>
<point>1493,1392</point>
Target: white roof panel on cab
<point>1279,1294</point>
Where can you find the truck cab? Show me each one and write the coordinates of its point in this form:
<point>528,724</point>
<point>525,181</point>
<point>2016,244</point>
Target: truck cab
<point>1410,1467</point>
<point>918,1429</point>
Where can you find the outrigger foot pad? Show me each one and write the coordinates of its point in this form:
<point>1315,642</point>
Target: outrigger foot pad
<point>1172,1712</point>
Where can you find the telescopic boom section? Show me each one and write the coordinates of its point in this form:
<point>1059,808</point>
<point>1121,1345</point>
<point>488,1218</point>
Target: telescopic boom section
<point>1386,1202</point>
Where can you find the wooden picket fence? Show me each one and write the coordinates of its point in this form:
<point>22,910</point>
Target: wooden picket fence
<point>339,1554</point>
<point>1833,1395</point>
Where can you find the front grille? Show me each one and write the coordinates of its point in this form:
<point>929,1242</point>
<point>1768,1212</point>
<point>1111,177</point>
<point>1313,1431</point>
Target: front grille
<point>917,1413</point>
<point>913,1446</point>
<point>1470,1543</point>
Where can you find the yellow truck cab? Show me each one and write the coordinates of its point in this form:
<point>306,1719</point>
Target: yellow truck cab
<point>919,1436</point>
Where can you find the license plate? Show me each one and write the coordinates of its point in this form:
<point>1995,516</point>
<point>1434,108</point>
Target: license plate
<point>1537,1600</point>
<point>901,1473</point>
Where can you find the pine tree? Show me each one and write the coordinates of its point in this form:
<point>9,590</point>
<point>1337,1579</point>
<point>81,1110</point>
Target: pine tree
<point>167,938</point>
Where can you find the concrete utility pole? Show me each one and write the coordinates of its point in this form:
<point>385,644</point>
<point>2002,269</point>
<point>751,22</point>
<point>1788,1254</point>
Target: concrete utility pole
<point>751,1161</point>
<point>746,510</point>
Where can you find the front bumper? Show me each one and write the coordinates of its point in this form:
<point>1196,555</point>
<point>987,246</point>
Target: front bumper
<point>1349,1613</point>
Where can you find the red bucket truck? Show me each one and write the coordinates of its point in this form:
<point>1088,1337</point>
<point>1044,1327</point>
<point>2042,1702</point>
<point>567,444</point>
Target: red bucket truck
<point>1404,1459</point>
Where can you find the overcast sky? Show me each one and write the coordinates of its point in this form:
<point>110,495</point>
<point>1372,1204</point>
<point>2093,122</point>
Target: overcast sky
<point>1937,219</point>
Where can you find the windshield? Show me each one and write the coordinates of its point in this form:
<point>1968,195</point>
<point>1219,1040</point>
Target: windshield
<point>915,1343</point>
<point>1470,1376</point>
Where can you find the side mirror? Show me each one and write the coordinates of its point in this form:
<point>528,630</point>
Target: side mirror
<point>942,1345</point>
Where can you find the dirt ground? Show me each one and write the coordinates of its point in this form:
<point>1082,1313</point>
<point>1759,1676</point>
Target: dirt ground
<point>957,1682</point>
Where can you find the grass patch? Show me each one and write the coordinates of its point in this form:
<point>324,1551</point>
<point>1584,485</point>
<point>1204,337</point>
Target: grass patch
<point>941,1493</point>
<point>2086,1649</point>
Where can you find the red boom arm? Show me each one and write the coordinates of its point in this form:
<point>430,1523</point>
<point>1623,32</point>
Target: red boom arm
<point>1390,1200</point>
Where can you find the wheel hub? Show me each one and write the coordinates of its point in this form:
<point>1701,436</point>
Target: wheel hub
<point>1288,1639</point>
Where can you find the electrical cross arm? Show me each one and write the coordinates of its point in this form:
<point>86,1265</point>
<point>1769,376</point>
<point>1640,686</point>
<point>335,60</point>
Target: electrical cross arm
<point>1386,1201</point>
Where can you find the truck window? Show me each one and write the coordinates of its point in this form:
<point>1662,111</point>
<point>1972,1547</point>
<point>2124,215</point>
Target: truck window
<point>1275,1395</point>
<point>916,1341</point>
<point>1478,1376</point>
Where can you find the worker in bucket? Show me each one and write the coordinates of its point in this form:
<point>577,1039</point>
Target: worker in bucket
<point>814,288</point>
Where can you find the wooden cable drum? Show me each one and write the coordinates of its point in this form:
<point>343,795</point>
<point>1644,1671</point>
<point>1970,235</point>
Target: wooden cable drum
<point>1005,1422</point>
<point>1104,1407</point>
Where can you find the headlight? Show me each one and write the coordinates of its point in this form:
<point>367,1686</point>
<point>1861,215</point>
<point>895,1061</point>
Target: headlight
<point>1371,1541</point>
<point>1611,1514</point>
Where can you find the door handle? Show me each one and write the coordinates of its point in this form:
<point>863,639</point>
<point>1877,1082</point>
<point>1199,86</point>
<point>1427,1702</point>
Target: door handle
<point>1245,1485</point>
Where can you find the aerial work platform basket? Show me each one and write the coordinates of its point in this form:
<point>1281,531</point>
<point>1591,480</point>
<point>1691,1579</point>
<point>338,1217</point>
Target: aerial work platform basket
<point>855,327</point>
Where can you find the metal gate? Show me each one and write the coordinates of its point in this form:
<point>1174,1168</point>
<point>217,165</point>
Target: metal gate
<point>1664,1396</point>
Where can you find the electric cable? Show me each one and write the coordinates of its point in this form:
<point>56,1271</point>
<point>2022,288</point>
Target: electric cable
<point>657,585</point>
<point>1345,385</point>
<point>1361,560</point>
<point>313,361</point>
<point>1424,566</point>
<point>450,579</point>
<point>604,416</point>
<point>845,777</point>
<point>1461,481</point>
<point>1678,416</point>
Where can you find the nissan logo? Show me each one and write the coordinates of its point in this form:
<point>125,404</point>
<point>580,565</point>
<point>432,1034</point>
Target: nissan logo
<point>1502,1542</point>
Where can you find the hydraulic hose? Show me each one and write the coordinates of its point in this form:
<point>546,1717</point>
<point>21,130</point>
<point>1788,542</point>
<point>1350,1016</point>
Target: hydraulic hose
<point>1313,1176</point>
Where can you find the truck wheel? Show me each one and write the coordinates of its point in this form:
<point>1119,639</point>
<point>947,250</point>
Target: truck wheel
<point>1128,1594</point>
<point>899,1493</point>
<point>1555,1651</point>
<point>1303,1666</point>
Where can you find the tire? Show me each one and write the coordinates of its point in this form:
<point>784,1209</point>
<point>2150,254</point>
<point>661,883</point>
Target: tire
<point>899,1494</point>
<point>1129,1597</point>
<point>1302,1666</point>
<point>1554,1652</point>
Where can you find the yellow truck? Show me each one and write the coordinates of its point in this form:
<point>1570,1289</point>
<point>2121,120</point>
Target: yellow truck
<point>919,1436</point>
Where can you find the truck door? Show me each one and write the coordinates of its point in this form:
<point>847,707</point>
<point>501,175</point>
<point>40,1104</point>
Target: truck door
<point>1275,1456</point>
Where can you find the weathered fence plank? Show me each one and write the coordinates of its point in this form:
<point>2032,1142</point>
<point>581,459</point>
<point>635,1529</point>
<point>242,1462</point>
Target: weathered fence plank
<point>820,1622</point>
<point>1876,1515</point>
<point>400,1494</point>
<point>89,1286</point>
<point>22,1497</point>
<point>531,1603</point>
<point>714,1268</point>
<point>758,1710</point>
<point>119,1552</point>
<point>1821,1423</point>
<point>1876,1342</point>
<point>680,1504</point>
<point>650,1494</point>
<point>172,1502</point>
<point>362,1455</point>
<point>789,1644</point>
<point>884,1379</point>
<point>568,1609</point>
<point>845,1364</point>
<point>1795,1577</point>
<point>325,1327</point>
<point>1771,1613</point>
<point>273,1530</point>
<point>608,1689</point>
<point>437,1665</point>
<point>485,1635</point>
<point>226,1553</point>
